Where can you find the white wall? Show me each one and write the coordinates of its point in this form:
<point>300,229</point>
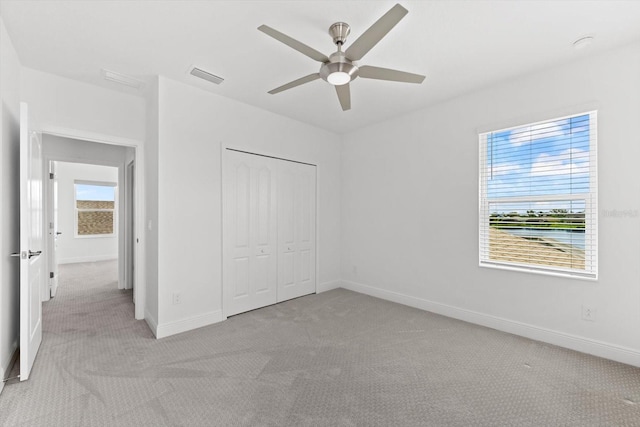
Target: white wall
<point>410,209</point>
<point>193,125</point>
<point>60,103</point>
<point>10,200</point>
<point>72,248</point>
<point>152,124</point>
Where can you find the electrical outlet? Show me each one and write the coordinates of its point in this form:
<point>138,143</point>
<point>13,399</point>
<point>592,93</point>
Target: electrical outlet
<point>177,298</point>
<point>588,313</point>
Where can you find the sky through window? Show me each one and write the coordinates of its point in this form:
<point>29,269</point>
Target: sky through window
<point>95,192</point>
<point>550,158</point>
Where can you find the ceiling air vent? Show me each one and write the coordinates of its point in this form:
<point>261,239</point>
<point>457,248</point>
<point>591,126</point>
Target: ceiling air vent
<point>123,79</point>
<point>195,71</point>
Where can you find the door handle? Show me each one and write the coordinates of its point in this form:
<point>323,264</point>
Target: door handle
<point>23,255</point>
<point>26,254</point>
<point>58,233</point>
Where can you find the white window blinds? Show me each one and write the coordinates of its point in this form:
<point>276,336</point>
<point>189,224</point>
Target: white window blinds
<point>538,197</point>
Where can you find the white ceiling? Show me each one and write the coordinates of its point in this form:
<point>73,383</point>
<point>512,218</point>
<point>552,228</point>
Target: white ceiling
<point>460,46</point>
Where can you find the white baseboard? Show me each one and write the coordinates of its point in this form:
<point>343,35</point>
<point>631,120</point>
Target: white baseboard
<point>151,322</point>
<point>184,325</point>
<point>5,366</point>
<point>90,258</point>
<point>570,341</point>
<point>327,286</point>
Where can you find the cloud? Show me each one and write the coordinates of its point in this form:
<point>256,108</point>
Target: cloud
<point>531,133</point>
<point>504,169</point>
<point>578,129</point>
<point>572,161</point>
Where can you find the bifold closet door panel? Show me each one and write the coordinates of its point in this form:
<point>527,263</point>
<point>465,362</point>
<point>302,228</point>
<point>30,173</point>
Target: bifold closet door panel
<point>296,230</point>
<point>250,232</point>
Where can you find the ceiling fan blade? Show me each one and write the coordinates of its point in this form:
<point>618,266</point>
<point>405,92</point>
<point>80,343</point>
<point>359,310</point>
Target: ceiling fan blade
<point>368,72</point>
<point>300,81</point>
<point>375,33</point>
<point>344,95</point>
<point>293,43</point>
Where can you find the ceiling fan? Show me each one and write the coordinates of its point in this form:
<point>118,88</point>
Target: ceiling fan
<point>340,68</point>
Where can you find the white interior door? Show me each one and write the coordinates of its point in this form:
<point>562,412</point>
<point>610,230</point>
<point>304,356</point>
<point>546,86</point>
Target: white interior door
<point>31,244</point>
<point>296,230</point>
<point>54,232</point>
<point>250,232</point>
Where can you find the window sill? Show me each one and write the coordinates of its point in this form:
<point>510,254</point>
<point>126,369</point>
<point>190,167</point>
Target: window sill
<point>95,236</point>
<point>535,270</point>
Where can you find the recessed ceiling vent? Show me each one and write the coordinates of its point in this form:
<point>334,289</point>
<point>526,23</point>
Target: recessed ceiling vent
<point>123,79</point>
<point>195,71</point>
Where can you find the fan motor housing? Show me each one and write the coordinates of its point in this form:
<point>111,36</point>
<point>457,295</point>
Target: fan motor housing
<point>338,62</point>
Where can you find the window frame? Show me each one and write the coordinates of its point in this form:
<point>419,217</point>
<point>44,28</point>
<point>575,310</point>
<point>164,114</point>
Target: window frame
<point>76,210</point>
<point>590,199</point>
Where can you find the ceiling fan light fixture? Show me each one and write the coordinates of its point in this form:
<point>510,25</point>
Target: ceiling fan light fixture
<point>339,78</point>
<point>338,73</point>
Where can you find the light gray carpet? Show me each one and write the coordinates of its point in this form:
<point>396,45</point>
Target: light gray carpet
<point>334,359</point>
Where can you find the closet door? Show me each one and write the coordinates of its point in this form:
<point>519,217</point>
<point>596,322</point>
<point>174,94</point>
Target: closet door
<point>250,232</point>
<point>296,230</point>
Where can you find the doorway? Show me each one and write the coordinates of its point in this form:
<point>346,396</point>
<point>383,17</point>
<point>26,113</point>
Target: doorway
<point>89,201</point>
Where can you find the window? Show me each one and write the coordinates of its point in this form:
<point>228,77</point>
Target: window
<point>538,204</point>
<point>95,208</point>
